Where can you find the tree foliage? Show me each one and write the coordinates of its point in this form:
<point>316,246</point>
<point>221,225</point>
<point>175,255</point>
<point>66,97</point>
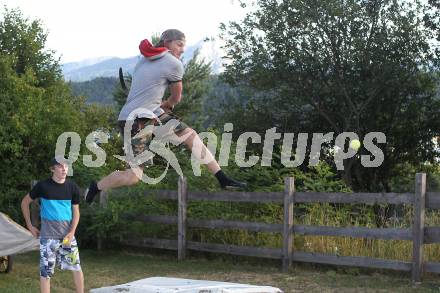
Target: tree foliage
<point>340,66</point>
<point>98,90</point>
<point>36,106</point>
<point>24,41</point>
<point>195,88</point>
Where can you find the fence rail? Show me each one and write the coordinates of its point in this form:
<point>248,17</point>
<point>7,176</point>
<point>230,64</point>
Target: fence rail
<point>418,233</point>
<point>303,197</point>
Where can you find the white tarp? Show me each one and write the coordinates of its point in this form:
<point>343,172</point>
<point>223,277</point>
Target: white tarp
<point>14,238</point>
<point>175,285</point>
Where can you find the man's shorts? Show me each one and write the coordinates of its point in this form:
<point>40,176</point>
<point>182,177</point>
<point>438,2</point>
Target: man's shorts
<point>52,253</point>
<point>140,144</point>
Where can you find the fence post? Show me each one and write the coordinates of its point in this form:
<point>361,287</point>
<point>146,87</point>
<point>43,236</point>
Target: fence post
<point>182,198</point>
<point>103,199</point>
<point>418,227</point>
<point>289,196</point>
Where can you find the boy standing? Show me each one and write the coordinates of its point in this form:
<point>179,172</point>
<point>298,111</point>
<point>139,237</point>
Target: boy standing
<point>59,218</point>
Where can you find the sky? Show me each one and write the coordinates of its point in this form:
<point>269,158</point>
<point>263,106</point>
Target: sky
<point>83,29</point>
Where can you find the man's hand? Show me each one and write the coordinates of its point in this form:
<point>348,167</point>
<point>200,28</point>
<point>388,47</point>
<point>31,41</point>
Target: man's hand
<point>34,231</point>
<point>166,106</point>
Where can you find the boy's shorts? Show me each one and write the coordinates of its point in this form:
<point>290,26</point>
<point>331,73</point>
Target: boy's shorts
<point>52,253</point>
<point>140,144</point>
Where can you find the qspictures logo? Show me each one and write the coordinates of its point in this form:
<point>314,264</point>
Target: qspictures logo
<point>159,138</point>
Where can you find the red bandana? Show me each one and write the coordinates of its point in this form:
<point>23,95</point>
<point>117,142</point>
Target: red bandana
<point>148,50</point>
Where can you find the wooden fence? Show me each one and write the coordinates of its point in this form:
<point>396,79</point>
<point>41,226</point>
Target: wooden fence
<point>418,233</point>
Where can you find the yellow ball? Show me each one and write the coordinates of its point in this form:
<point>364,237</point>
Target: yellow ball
<point>355,144</point>
<point>65,241</point>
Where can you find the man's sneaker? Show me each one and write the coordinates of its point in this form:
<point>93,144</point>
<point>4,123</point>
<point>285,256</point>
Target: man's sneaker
<point>232,184</point>
<point>228,183</point>
<point>91,192</point>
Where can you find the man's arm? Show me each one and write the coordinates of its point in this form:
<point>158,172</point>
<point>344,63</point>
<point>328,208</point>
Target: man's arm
<point>27,215</point>
<point>175,96</point>
<point>75,221</point>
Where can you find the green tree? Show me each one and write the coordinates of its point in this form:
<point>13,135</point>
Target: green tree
<point>338,66</point>
<point>195,88</point>
<point>24,41</point>
<point>120,94</point>
<point>36,106</point>
<point>98,90</point>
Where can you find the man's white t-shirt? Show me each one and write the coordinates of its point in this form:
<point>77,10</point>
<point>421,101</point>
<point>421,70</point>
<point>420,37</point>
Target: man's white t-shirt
<point>151,77</point>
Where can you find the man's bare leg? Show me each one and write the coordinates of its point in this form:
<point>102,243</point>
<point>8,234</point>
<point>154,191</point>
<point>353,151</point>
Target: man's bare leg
<point>192,140</point>
<point>120,178</point>
<point>115,179</point>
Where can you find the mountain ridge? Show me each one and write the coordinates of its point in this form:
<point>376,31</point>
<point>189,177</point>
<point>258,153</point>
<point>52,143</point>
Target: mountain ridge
<point>108,66</point>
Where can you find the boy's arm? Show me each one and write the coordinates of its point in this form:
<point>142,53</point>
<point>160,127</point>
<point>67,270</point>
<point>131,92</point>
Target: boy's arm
<point>75,221</point>
<point>27,215</point>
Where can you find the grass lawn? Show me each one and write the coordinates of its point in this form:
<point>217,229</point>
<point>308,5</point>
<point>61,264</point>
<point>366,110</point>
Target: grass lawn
<point>117,267</point>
